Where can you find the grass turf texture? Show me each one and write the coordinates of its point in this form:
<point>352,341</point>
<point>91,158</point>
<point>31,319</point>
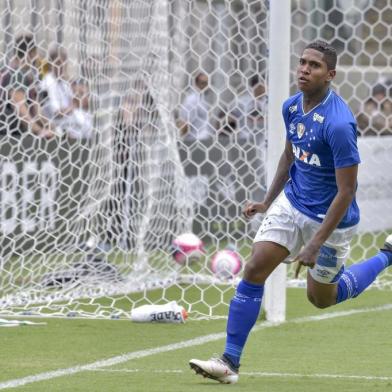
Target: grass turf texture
<point>351,345</point>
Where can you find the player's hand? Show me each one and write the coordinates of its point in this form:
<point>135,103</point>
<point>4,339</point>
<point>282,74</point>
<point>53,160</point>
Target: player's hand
<point>307,257</point>
<point>252,209</point>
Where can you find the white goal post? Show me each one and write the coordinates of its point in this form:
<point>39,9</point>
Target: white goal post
<point>279,88</point>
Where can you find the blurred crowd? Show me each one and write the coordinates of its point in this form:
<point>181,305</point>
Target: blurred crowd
<point>38,96</point>
<point>375,118</point>
<point>199,119</point>
<point>244,117</point>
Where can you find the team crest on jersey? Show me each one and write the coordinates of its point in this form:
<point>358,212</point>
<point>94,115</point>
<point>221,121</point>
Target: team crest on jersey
<point>300,130</point>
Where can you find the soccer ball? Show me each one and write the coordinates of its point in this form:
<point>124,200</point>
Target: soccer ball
<point>226,264</point>
<point>187,246</point>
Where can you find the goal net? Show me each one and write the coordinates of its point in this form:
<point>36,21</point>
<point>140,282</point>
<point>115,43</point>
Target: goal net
<point>159,128</point>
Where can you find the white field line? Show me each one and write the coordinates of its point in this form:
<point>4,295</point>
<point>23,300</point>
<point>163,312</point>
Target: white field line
<point>175,346</point>
<point>258,374</point>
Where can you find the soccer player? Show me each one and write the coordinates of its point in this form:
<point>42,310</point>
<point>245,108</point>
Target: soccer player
<point>313,220</point>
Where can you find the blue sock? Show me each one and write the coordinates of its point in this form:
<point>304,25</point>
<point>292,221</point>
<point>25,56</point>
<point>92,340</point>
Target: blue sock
<point>357,277</point>
<point>243,313</point>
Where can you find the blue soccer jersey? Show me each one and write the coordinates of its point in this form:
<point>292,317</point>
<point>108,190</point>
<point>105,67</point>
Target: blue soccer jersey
<point>323,139</point>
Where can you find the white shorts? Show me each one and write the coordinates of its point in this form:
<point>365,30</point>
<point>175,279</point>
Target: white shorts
<point>287,226</point>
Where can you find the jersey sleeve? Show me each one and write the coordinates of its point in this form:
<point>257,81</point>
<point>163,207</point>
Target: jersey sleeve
<point>342,138</point>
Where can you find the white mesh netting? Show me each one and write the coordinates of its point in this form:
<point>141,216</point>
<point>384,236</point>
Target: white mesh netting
<point>158,129</point>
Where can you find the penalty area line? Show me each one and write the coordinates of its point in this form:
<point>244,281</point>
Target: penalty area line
<point>175,346</point>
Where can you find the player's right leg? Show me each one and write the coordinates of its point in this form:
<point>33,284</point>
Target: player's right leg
<point>276,238</point>
<point>243,312</point>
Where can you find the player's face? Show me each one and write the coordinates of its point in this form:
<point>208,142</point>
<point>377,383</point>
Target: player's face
<point>312,72</point>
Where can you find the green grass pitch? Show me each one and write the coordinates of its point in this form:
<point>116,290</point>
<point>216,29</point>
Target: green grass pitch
<point>350,352</point>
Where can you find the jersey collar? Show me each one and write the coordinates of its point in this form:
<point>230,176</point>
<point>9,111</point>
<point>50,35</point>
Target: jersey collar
<point>328,94</point>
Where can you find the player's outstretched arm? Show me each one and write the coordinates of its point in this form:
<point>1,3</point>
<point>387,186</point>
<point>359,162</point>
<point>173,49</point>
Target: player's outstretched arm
<point>277,185</point>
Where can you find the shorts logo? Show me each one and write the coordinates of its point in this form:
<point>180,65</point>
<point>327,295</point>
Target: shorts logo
<point>300,130</point>
<point>323,273</point>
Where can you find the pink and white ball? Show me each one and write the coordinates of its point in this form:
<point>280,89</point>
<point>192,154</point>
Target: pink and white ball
<point>187,247</point>
<point>226,264</point>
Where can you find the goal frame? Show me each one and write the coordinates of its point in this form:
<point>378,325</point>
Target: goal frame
<point>279,78</point>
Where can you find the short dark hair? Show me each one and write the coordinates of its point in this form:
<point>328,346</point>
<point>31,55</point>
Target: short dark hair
<point>255,80</point>
<point>329,52</point>
<point>56,52</point>
<point>379,89</point>
<point>23,44</point>
<point>200,75</point>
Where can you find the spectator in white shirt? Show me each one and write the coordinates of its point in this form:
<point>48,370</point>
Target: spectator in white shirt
<point>59,100</point>
<point>250,110</point>
<point>194,122</point>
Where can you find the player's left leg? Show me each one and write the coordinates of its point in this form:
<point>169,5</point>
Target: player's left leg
<point>348,283</point>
